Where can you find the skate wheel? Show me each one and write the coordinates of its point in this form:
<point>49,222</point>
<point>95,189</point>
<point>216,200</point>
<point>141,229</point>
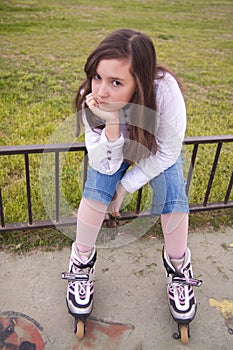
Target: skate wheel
<point>184,337</point>
<point>80,329</point>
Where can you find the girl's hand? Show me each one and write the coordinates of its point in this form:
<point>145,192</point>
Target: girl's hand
<point>109,114</point>
<point>114,206</point>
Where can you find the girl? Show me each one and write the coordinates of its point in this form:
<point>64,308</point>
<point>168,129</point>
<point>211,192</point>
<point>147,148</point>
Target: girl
<point>135,119</point>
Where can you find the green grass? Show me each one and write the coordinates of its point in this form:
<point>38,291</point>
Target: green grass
<point>43,48</point>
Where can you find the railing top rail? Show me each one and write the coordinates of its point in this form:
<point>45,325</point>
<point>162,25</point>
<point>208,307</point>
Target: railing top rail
<point>63,147</point>
<point>208,139</point>
<point>58,147</point>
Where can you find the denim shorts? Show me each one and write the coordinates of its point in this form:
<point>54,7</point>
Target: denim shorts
<point>101,187</point>
<point>169,190</point>
<point>168,187</point>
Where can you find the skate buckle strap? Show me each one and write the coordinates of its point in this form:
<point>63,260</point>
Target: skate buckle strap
<point>74,276</point>
<point>185,279</point>
<point>189,282</point>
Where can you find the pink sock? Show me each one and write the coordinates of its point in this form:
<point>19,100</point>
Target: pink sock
<point>90,217</point>
<point>175,231</point>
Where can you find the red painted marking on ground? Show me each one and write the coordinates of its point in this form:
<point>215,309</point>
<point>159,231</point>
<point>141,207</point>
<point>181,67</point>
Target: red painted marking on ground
<point>17,331</point>
<point>102,335</point>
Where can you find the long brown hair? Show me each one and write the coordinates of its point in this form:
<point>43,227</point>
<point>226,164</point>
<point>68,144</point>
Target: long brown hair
<point>139,48</point>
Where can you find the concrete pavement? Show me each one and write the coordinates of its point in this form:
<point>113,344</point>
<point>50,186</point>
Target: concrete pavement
<point>130,311</point>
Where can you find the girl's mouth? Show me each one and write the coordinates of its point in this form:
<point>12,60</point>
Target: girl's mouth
<point>101,102</point>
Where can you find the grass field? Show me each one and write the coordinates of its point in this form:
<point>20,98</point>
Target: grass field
<point>44,45</point>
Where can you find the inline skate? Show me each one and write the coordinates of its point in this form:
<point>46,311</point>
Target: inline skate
<point>80,290</point>
<point>181,299</point>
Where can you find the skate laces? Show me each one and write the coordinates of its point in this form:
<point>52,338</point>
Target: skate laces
<point>186,276</point>
<point>177,289</point>
<point>177,284</point>
<point>82,285</point>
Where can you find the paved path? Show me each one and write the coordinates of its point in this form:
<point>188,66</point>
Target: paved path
<point>130,311</point>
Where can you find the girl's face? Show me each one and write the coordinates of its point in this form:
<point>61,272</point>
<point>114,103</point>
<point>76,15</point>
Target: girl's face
<point>113,85</point>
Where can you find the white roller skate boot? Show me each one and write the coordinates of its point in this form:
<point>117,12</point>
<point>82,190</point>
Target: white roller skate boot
<point>181,299</point>
<point>80,290</point>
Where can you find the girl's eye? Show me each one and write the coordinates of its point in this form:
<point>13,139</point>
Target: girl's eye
<point>97,76</point>
<point>116,83</point>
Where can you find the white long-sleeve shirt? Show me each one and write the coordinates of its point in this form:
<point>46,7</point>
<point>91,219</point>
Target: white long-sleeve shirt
<point>106,156</point>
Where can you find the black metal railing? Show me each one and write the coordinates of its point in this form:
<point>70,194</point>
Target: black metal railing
<point>33,223</point>
<point>219,141</point>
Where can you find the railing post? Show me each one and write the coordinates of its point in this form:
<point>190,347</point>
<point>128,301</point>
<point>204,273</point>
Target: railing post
<point>229,189</point>
<point>215,163</point>
<point>1,210</point>
<point>57,186</point>
<point>28,186</point>
<point>139,199</point>
<point>85,167</point>
<point>191,167</point>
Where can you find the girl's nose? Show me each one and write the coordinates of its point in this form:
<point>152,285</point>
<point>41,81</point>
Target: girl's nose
<point>103,90</point>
